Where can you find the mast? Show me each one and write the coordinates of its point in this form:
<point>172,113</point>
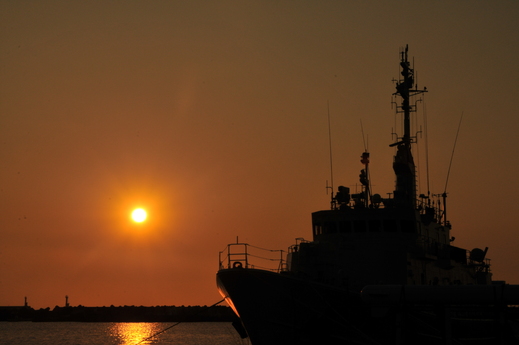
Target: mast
<point>403,165</point>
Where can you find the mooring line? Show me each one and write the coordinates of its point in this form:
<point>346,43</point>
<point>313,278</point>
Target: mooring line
<point>179,322</point>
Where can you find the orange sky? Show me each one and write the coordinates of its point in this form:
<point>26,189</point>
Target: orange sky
<point>213,117</point>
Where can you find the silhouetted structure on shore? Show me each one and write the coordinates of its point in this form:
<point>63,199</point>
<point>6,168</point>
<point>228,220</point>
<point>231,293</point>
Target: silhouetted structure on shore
<point>119,314</point>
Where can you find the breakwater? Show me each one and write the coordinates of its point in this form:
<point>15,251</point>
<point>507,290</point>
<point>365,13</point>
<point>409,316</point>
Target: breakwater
<point>119,314</point>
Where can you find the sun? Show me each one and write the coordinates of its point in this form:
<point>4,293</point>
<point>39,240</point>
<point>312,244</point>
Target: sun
<point>139,215</point>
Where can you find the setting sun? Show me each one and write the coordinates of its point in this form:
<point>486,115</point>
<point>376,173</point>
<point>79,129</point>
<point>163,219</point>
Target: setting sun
<point>139,215</point>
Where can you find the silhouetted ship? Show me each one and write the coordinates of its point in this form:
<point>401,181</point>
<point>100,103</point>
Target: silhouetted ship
<point>378,271</point>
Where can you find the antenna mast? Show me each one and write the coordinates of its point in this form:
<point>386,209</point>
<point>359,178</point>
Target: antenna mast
<point>404,167</point>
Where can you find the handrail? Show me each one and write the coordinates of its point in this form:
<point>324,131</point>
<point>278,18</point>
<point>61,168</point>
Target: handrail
<point>244,255</point>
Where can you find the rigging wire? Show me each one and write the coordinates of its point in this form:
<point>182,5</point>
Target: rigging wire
<point>330,148</point>
<point>265,249</point>
<point>177,323</point>
<point>426,135</point>
<point>452,155</point>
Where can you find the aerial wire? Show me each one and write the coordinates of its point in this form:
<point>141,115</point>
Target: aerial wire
<point>426,147</point>
<point>452,155</point>
<point>331,154</point>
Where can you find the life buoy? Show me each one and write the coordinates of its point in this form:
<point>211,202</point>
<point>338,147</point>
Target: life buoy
<point>237,264</point>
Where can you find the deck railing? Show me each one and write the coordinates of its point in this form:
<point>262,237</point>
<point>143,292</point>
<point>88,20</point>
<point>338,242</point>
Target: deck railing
<point>244,255</point>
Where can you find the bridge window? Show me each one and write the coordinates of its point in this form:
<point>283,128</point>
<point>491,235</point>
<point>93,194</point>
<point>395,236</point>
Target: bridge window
<point>318,229</point>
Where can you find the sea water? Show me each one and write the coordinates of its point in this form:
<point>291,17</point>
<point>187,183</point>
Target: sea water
<point>118,333</point>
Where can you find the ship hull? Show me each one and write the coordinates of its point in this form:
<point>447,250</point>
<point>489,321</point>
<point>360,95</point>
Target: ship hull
<point>282,309</point>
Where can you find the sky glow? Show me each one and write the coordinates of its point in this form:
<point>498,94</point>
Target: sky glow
<point>214,116</point>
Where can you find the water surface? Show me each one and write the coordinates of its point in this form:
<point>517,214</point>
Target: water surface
<point>118,333</point>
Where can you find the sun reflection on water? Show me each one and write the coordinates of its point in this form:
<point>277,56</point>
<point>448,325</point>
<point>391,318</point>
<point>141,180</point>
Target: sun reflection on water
<point>134,333</point>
